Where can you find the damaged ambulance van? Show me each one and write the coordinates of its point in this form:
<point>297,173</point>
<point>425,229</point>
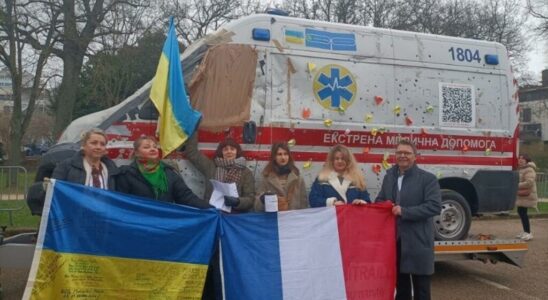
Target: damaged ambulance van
<point>266,78</point>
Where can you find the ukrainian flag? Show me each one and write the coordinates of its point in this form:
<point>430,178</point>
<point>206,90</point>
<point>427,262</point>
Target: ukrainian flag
<point>177,118</point>
<point>294,36</point>
<point>96,244</point>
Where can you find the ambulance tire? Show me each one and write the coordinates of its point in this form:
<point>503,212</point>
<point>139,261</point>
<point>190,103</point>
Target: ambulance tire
<point>455,218</point>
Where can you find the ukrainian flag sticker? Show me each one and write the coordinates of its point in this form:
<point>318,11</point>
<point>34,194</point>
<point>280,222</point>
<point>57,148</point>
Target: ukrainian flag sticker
<point>334,87</point>
<point>294,36</point>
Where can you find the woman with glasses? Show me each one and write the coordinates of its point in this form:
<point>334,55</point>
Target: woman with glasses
<point>340,181</point>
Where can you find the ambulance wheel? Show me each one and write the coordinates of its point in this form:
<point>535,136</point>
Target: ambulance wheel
<point>455,218</point>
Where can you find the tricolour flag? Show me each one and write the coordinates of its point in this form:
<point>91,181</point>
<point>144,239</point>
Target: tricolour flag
<point>96,244</point>
<point>343,252</point>
<point>177,118</point>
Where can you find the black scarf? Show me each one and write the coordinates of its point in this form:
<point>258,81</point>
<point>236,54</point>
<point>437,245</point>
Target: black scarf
<point>282,170</point>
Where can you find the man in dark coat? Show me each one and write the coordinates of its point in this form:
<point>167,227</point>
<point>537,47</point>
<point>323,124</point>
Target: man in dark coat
<point>417,199</point>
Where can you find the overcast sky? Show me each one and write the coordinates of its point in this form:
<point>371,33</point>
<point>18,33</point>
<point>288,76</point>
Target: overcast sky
<point>538,58</point>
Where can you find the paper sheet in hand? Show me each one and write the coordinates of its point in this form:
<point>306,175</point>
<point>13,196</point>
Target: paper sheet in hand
<point>221,189</point>
<point>271,203</point>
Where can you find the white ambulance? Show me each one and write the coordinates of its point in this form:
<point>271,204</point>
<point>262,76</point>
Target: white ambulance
<point>266,78</point>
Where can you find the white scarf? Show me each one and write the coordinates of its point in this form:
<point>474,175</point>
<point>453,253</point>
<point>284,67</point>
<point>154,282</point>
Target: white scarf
<point>89,179</point>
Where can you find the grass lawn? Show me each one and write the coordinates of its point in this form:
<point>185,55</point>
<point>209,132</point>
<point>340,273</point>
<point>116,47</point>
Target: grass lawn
<point>542,207</point>
<point>22,219</point>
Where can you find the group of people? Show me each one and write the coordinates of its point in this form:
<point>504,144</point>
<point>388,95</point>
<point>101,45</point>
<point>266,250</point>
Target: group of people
<point>339,182</point>
<point>415,193</point>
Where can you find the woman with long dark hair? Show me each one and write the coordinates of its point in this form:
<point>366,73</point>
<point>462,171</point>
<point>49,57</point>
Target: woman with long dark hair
<point>281,178</point>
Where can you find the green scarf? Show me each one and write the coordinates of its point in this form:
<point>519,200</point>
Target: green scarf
<point>155,174</point>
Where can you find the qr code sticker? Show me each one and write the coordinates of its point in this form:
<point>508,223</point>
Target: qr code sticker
<point>457,105</point>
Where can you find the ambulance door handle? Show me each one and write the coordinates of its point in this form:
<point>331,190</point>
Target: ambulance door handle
<point>250,132</point>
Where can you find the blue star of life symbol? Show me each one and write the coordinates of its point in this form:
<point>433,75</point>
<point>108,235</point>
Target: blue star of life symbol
<point>336,88</point>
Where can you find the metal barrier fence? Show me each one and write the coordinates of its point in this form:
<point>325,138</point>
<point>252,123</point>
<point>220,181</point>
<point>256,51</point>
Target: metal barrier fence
<point>542,185</point>
<point>13,186</point>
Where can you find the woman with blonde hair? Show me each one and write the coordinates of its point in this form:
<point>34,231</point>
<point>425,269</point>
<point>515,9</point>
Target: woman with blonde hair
<point>340,181</point>
<point>90,166</point>
<point>281,178</point>
<point>147,176</point>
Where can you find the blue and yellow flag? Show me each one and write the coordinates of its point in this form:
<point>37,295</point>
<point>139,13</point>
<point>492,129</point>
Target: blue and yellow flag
<point>177,118</point>
<point>96,244</point>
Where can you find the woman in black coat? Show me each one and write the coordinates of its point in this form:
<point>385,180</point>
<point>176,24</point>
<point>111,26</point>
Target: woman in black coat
<point>147,176</point>
<point>90,166</point>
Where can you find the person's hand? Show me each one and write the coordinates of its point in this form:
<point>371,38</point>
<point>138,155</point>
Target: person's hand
<point>359,202</point>
<point>396,210</point>
<point>232,201</point>
<point>46,183</point>
<point>339,202</point>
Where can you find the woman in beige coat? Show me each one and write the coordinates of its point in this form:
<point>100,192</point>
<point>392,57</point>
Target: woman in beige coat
<point>527,193</point>
<point>281,177</point>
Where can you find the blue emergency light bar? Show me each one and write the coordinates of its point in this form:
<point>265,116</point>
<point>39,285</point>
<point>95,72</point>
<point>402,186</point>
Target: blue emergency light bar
<point>276,11</point>
<point>491,59</point>
<point>261,34</point>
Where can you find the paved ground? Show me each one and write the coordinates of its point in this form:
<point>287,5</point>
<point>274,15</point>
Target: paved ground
<point>453,280</point>
<point>475,280</point>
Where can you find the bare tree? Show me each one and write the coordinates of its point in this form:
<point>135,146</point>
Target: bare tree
<point>18,16</point>
<point>380,13</point>
<point>77,24</point>
<point>248,7</point>
<point>303,9</point>
<point>341,11</point>
<point>124,25</point>
<point>539,10</point>
<point>196,18</point>
<point>81,22</point>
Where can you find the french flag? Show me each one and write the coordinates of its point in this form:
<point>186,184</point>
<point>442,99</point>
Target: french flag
<point>342,252</point>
